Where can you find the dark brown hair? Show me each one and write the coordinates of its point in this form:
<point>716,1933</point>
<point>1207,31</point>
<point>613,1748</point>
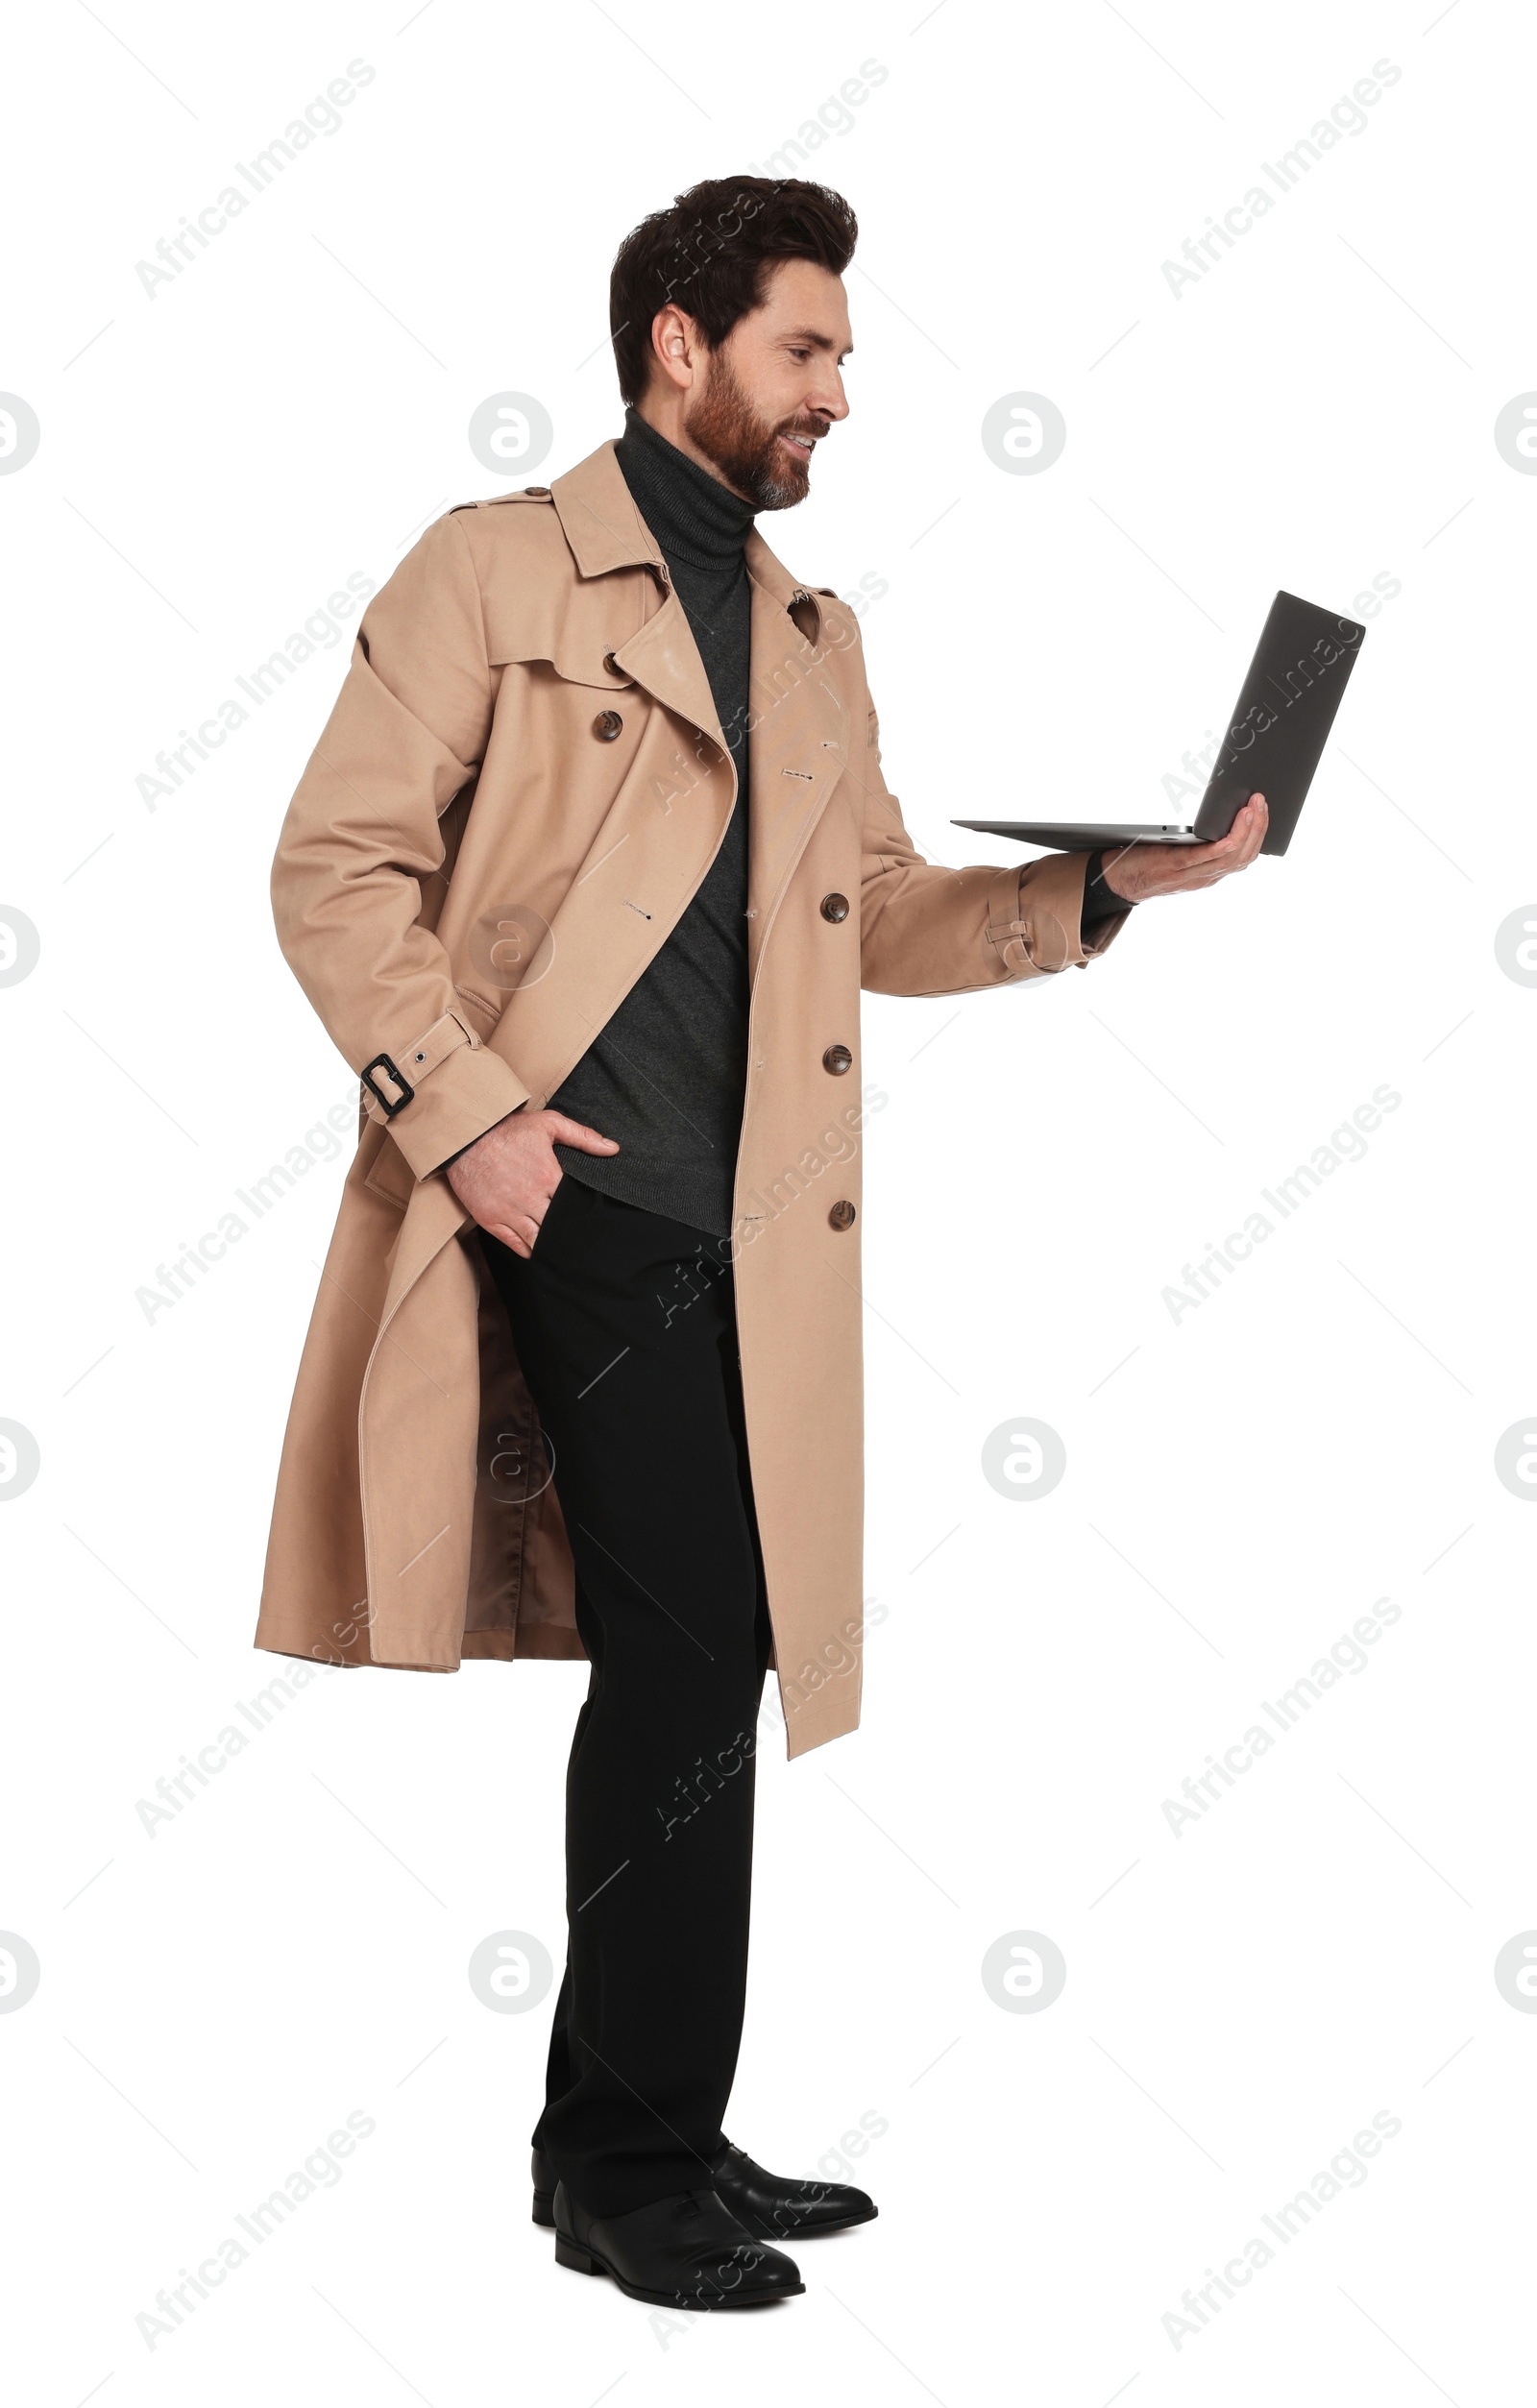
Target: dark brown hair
<point>712,253</point>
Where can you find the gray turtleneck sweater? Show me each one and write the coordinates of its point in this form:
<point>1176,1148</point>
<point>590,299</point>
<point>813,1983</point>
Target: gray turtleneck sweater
<point>667,1075</point>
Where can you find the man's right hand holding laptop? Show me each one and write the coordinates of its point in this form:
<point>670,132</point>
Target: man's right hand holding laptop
<point>1139,871</point>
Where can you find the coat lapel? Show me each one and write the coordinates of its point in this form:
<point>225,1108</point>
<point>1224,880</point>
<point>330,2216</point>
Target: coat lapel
<point>605,531</point>
<point>664,661</point>
<point>797,741</point>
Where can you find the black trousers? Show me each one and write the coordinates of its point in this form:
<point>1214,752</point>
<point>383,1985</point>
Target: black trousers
<point>625,1327</point>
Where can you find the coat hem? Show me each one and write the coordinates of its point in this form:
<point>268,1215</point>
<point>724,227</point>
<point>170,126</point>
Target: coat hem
<point>547,1643</point>
<point>279,1638</point>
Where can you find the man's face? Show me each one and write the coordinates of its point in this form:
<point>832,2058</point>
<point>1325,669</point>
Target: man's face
<point>772,391</point>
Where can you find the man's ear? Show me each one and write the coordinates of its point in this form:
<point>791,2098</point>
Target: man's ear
<point>676,347</point>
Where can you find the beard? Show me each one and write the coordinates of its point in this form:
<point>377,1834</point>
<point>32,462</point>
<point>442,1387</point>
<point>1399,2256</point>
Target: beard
<point>743,448</point>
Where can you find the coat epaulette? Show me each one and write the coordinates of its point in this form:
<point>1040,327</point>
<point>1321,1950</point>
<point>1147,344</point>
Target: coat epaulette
<point>527,493</point>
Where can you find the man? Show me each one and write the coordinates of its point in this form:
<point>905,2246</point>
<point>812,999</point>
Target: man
<point>584,876</point>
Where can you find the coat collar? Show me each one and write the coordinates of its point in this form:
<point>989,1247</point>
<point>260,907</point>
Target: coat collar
<point>605,531</point>
<point>600,519</point>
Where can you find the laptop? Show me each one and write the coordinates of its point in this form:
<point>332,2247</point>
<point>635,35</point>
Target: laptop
<point>1275,739</point>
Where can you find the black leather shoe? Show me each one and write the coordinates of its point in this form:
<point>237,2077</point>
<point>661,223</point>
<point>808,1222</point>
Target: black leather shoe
<point>770,2205</point>
<point>686,2251</point>
<point>778,2209</point>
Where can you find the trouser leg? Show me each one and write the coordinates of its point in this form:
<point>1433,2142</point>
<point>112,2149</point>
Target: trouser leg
<point>625,1330</point>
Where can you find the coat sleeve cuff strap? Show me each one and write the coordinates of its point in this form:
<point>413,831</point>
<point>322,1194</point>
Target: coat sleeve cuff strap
<point>1006,928</point>
<point>459,1088</point>
<point>1033,915</point>
<point>390,1081</point>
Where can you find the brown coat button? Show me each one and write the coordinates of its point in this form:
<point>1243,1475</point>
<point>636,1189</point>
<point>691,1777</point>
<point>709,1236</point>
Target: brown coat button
<point>612,665</point>
<point>835,908</point>
<point>842,1215</point>
<point>606,726</point>
<point>837,1060</point>
<point>540,493</point>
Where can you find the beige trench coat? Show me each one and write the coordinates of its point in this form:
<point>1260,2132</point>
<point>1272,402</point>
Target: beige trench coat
<point>475,868</point>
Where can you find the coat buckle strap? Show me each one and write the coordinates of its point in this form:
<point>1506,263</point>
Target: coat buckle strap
<point>444,1038</point>
<point>389,1105</point>
<point>1006,928</point>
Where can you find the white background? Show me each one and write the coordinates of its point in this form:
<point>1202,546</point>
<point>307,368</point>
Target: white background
<point>1242,1483</point>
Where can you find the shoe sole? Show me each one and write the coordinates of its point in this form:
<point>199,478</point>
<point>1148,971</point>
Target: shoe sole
<point>544,2215</point>
<point>583,2261</point>
<point>785,2236</point>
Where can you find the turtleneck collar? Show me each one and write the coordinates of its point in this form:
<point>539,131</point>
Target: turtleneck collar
<point>692,516</point>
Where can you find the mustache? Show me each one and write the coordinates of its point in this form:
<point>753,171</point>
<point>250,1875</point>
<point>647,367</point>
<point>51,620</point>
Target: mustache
<point>813,431</point>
